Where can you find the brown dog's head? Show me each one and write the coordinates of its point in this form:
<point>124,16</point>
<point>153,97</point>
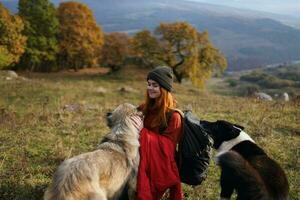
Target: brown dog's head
<point>221,131</point>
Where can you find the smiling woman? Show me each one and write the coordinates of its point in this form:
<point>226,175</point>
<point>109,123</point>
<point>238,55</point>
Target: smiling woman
<point>162,131</point>
<point>153,89</point>
<point>161,76</point>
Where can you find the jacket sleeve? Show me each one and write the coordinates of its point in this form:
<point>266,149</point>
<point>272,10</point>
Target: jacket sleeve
<point>174,129</point>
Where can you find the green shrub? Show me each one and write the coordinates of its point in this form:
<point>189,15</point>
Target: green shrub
<point>273,82</point>
<point>294,76</point>
<point>232,82</point>
<point>266,80</point>
<point>253,77</point>
<point>297,84</point>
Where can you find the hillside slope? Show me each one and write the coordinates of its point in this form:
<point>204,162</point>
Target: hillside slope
<point>47,118</point>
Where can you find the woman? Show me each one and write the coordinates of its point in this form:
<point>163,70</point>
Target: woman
<point>159,137</point>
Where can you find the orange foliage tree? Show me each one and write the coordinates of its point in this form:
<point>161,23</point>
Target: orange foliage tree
<point>147,48</point>
<point>188,52</point>
<point>12,42</point>
<point>80,38</point>
<point>115,50</point>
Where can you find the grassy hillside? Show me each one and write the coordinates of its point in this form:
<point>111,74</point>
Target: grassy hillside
<point>46,118</point>
<point>274,81</point>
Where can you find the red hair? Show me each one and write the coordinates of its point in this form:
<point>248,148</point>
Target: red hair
<point>162,104</point>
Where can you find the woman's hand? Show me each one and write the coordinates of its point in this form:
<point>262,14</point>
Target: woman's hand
<point>137,122</point>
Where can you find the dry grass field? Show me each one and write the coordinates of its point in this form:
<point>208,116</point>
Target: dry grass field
<point>46,118</point>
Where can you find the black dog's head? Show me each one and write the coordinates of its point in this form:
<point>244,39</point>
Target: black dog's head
<point>221,131</point>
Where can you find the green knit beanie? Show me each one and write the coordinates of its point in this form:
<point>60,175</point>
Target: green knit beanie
<point>163,75</point>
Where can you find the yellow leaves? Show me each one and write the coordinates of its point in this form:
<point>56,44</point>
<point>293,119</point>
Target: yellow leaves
<point>12,42</point>
<point>179,45</point>
<point>143,43</point>
<point>191,54</point>
<point>81,39</point>
<point>147,47</point>
<point>115,50</point>
<point>177,32</point>
<point>5,57</point>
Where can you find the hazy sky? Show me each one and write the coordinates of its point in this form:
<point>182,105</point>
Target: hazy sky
<point>286,7</point>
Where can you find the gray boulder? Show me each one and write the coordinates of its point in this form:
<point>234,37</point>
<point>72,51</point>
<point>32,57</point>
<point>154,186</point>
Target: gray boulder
<point>263,96</point>
<point>12,74</point>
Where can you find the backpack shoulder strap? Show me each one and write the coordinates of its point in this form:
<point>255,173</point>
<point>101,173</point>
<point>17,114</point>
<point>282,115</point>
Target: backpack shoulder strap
<point>174,110</point>
<point>178,111</point>
<point>169,115</point>
<point>179,145</point>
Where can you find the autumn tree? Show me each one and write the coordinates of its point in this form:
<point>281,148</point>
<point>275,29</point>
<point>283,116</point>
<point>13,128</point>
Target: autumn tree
<point>12,42</point>
<point>80,38</point>
<point>115,50</point>
<point>147,48</point>
<point>188,52</point>
<point>41,28</point>
<point>209,59</point>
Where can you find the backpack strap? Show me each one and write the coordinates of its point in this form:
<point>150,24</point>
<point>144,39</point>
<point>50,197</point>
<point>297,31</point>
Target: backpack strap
<point>169,115</point>
<point>178,146</point>
<point>179,111</point>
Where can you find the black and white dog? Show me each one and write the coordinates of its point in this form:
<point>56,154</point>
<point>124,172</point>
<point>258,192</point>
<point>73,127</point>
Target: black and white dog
<point>245,167</point>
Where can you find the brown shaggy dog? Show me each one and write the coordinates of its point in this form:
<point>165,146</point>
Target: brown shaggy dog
<point>103,173</point>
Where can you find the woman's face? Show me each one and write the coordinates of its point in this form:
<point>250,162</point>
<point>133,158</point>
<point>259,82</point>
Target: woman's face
<point>153,89</point>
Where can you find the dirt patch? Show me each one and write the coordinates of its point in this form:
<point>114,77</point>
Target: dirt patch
<point>87,71</point>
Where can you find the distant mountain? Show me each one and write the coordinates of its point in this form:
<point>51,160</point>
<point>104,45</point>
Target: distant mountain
<point>247,38</point>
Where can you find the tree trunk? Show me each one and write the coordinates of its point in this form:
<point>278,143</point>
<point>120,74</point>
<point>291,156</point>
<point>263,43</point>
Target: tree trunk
<point>177,74</point>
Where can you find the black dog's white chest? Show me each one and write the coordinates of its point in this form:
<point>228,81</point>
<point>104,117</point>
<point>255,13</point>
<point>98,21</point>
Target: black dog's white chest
<point>230,144</point>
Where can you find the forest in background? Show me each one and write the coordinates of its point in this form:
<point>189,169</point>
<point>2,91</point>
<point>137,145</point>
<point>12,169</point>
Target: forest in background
<point>43,38</point>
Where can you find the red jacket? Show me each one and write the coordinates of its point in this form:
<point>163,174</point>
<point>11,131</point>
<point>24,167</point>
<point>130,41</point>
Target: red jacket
<point>158,170</point>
